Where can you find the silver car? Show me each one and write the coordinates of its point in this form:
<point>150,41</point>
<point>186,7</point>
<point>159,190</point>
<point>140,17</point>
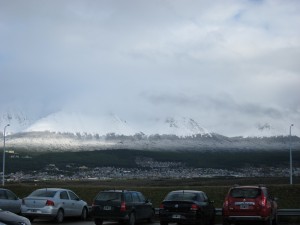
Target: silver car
<point>9,201</point>
<point>9,218</point>
<point>54,203</point>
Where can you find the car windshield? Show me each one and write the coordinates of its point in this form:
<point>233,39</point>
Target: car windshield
<point>109,196</point>
<point>181,196</point>
<point>43,193</point>
<point>245,192</point>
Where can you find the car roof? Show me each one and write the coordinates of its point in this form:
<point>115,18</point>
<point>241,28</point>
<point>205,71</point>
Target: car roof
<point>54,189</point>
<point>186,191</point>
<point>248,186</point>
<point>118,191</point>
<point>4,189</point>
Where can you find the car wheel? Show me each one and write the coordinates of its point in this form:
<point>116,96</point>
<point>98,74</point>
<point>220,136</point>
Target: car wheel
<point>163,223</point>
<point>84,214</point>
<point>60,216</point>
<point>275,220</point>
<point>30,218</point>
<point>268,221</point>
<point>98,222</point>
<point>202,221</point>
<point>226,222</point>
<point>151,218</point>
<point>131,220</point>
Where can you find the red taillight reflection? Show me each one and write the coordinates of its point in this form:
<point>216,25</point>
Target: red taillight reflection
<point>161,206</point>
<point>123,207</point>
<point>49,203</point>
<point>194,207</point>
<point>263,201</point>
<point>226,203</point>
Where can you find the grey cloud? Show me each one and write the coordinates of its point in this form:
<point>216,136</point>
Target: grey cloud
<point>229,64</point>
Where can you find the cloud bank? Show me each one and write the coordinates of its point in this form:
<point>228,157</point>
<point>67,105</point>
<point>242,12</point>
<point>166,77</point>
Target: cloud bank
<point>233,66</point>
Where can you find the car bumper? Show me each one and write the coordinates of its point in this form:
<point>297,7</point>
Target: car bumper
<point>42,212</point>
<point>179,218</point>
<point>246,218</point>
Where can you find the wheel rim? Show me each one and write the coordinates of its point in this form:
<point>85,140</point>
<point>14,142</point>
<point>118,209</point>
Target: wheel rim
<point>60,216</point>
<point>84,214</point>
<point>132,219</point>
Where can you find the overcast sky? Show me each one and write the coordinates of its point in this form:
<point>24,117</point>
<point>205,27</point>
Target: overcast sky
<point>234,65</point>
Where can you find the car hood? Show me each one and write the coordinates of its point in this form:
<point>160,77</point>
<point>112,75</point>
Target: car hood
<point>6,217</point>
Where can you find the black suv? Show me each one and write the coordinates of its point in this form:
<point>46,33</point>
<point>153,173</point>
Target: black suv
<point>187,207</point>
<point>121,206</point>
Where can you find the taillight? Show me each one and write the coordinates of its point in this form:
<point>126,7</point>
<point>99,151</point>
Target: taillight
<point>194,207</point>
<point>226,203</point>
<point>49,203</point>
<point>123,207</point>
<point>161,206</point>
<point>263,201</point>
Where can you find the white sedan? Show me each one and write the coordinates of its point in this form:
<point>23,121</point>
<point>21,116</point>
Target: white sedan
<point>53,203</point>
<point>11,218</point>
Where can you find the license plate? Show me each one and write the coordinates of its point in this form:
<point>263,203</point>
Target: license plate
<point>33,210</point>
<point>244,206</point>
<point>107,208</point>
<point>176,216</point>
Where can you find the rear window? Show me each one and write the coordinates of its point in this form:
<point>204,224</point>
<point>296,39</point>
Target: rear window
<point>109,196</point>
<point>43,193</point>
<point>182,196</point>
<point>245,192</point>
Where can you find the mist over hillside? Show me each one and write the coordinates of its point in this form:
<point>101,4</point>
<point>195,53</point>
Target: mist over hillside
<point>52,141</point>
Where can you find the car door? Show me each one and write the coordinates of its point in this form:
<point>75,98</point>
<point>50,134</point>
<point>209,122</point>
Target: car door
<point>65,202</point>
<point>209,208</point>
<point>137,205</point>
<point>146,206</point>
<point>76,204</point>
<point>14,202</point>
<point>9,201</point>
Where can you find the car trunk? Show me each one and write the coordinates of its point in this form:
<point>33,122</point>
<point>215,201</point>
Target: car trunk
<point>107,208</point>
<point>35,202</point>
<point>178,206</point>
<point>241,206</point>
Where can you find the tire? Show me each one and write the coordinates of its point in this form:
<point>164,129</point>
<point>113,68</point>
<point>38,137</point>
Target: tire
<point>151,218</point>
<point>268,222</point>
<point>59,216</point>
<point>203,221</point>
<point>275,220</point>
<point>131,220</point>
<point>31,219</point>
<point>226,222</point>
<point>84,214</point>
<point>98,222</point>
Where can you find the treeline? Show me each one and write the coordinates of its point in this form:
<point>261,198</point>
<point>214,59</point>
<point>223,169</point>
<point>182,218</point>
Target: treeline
<point>127,159</point>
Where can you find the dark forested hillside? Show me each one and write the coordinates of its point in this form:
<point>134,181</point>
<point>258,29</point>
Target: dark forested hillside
<point>125,158</point>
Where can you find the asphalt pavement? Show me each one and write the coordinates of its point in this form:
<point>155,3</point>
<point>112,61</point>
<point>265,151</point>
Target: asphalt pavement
<point>91,222</point>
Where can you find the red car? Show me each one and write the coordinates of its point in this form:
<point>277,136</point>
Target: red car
<point>249,203</point>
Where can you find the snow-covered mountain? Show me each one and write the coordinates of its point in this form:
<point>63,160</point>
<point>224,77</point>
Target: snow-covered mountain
<point>111,123</point>
<point>79,131</point>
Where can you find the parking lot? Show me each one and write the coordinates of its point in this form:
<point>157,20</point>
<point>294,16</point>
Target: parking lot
<point>91,222</point>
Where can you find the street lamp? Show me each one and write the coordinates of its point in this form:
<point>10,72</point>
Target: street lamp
<point>291,160</point>
<point>4,154</point>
